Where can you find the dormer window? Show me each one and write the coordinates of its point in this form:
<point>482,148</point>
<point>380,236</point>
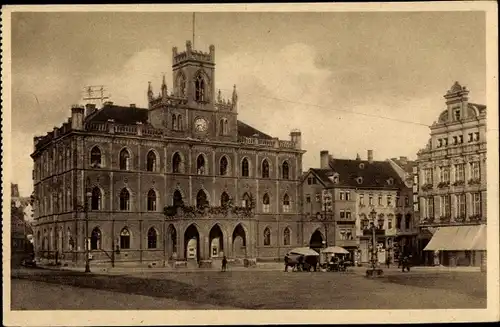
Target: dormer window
<point>361,166</point>
<point>359,180</point>
<point>455,140</point>
<point>390,181</point>
<point>456,114</point>
<point>440,143</point>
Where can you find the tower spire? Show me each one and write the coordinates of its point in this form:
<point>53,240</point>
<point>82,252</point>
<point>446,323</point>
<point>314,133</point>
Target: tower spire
<point>150,92</point>
<point>164,87</point>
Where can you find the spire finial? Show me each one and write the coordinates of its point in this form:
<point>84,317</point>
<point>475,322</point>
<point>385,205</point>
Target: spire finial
<point>219,96</point>
<point>194,19</point>
<point>235,95</point>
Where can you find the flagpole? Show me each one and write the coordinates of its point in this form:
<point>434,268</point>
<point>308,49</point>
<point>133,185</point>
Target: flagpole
<point>193,26</point>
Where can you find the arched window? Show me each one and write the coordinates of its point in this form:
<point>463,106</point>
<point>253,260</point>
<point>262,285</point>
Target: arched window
<point>246,201</point>
<point>286,236</point>
<point>200,165</point>
<point>152,238</point>
<point>221,127</point>
<point>179,123</point>
<point>245,171</point>
<point>124,200</point>
<point>151,161</point>
<point>95,157</point>
<point>199,88</point>
<point>38,240</point>
<point>124,160</point>
<point>201,199</point>
<point>95,239</point>
<point>265,203</point>
<point>177,199</point>
<point>224,199</point>
<point>223,166</point>
<point>151,200</point>
<point>174,122</point>
<point>181,85</point>
<point>96,200</point>
<point>265,169</point>
<point>71,242</point>
<point>267,236</point>
<point>177,163</point>
<point>285,170</point>
<point>286,203</point>
<point>125,239</point>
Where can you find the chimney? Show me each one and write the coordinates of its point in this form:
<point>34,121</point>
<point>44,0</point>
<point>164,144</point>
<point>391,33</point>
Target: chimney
<point>404,160</point>
<point>324,157</point>
<point>370,156</point>
<point>77,113</point>
<point>90,108</point>
<point>358,158</point>
<point>132,105</point>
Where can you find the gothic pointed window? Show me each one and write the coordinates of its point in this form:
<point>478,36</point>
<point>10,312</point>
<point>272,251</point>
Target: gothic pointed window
<point>152,238</point>
<point>223,166</point>
<point>286,236</point>
<point>96,200</point>
<point>265,169</point>
<point>267,236</point>
<point>125,238</point>
<point>151,200</point>
<point>177,199</point>
<point>201,199</point>
<point>265,203</point>
<point>174,122</point>
<point>95,157</point>
<point>285,170</point>
<point>124,200</point>
<point>151,161</point>
<point>177,163</point>
<point>224,199</point>
<point>124,160</point>
<point>199,88</point>
<point>286,203</point>
<point>245,171</point>
<point>200,165</point>
<point>246,201</point>
<point>181,85</point>
<point>179,123</point>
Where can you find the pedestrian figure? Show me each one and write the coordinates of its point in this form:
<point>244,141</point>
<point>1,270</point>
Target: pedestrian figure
<point>300,266</point>
<point>388,262</point>
<point>286,262</point>
<point>224,263</point>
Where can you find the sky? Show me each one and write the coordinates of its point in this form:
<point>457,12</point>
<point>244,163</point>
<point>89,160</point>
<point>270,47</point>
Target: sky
<point>328,74</point>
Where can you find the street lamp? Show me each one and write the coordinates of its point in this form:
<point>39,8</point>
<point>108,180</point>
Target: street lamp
<point>374,270</point>
<point>88,197</point>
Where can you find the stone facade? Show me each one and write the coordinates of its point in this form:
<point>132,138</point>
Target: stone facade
<point>452,169</point>
<point>182,179</point>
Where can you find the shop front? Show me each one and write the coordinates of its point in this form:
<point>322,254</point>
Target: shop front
<point>458,246</point>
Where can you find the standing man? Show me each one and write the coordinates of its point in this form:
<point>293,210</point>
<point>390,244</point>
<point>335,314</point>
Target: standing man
<point>224,263</point>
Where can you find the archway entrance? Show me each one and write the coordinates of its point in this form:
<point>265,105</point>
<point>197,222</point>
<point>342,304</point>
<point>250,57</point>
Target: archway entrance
<point>216,242</point>
<point>171,242</point>
<point>316,242</point>
<point>191,243</point>
<point>239,242</point>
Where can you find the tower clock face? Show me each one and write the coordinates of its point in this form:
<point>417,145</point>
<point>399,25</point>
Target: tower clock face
<point>200,124</point>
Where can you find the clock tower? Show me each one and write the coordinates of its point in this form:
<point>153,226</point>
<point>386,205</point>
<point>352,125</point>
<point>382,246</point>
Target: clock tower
<point>192,109</point>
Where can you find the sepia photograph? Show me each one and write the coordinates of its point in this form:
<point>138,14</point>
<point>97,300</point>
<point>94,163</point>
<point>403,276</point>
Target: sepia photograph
<point>333,163</point>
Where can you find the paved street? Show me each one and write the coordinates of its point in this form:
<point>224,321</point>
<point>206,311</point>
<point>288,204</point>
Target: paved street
<point>247,289</point>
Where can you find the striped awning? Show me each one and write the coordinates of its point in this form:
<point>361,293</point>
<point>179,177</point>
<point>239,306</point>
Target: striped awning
<point>458,238</point>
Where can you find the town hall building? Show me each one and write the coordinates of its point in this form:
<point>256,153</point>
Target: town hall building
<point>180,181</point>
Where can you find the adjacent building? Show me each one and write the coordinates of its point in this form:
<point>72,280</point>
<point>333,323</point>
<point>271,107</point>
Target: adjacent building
<point>452,184</point>
<point>181,180</point>
<point>345,197</point>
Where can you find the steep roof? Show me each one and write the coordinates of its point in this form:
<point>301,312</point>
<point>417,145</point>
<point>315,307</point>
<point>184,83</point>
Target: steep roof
<point>360,174</point>
<point>132,115</point>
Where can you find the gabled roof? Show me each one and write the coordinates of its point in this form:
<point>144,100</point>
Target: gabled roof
<point>365,174</point>
<point>131,115</point>
<point>359,174</point>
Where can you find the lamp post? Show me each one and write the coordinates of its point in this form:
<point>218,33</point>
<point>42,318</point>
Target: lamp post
<point>88,197</point>
<point>374,271</point>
